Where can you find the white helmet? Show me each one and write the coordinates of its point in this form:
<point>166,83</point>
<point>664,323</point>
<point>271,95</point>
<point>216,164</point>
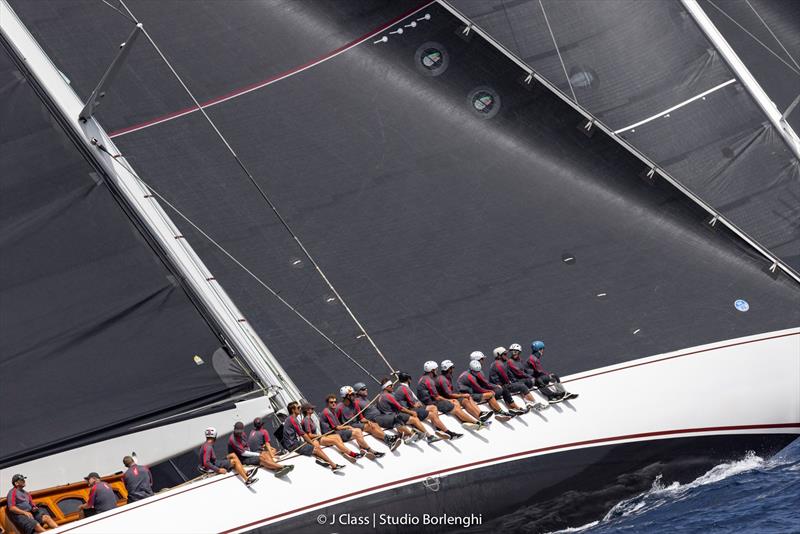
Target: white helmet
<point>499,351</point>
<point>430,365</point>
<point>515,346</point>
<point>447,364</point>
<point>345,391</point>
<point>211,432</point>
<point>477,355</point>
<point>475,365</point>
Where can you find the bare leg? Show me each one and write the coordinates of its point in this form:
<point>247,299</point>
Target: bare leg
<point>237,466</point>
<point>267,460</point>
<point>38,528</point>
<point>416,423</point>
<point>374,430</point>
<point>335,441</point>
<point>359,437</point>
<point>493,404</point>
<point>470,406</point>
<point>403,429</point>
<point>462,415</point>
<point>49,521</point>
<point>433,415</point>
<point>319,453</point>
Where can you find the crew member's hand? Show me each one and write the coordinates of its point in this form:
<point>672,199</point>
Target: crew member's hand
<point>28,514</point>
<point>221,471</point>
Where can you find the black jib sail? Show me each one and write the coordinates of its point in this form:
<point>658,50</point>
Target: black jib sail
<point>648,72</point>
<point>96,336</point>
<point>453,205</point>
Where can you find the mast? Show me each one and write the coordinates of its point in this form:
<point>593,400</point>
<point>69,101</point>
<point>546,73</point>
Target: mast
<point>181,256</point>
<point>743,74</point>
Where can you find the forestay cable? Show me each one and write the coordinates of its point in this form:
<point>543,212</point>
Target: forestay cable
<point>222,249</point>
<point>261,191</point>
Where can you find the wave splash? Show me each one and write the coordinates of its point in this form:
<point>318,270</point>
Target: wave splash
<point>660,494</point>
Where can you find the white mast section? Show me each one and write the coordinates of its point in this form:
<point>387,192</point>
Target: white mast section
<point>150,213</point>
<point>743,74</point>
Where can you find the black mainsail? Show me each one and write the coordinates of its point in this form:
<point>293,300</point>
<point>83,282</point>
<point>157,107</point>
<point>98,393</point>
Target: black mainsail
<point>444,197</point>
<point>647,71</point>
<point>97,335</point>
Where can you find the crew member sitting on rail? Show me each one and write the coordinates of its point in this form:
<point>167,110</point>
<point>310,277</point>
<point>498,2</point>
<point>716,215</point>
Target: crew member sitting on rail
<point>138,480</point>
<point>473,382</point>
<point>346,411</point>
<point>388,405</point>
<point>428,393</point>
<point>258,439</point>
<point>549,384</point>
<point>238,445</point>
<point>500,375</point>
<point>296,440</point>
<point>330,423</point>
<point>313,429</point>
<point>517,372</point>
<point>22,512</point>
<point>444,386</point>
<point>101,497</point>
<point>209,463</point>
<point>404,395</point>
<point>372,413</point>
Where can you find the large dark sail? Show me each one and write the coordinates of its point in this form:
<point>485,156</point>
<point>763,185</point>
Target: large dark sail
<point>454,206</point>
<point>96,335</point>
<point>648,72</point>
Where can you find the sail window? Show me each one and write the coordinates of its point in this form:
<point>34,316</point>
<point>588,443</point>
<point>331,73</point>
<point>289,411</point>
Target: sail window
<point>580,76</point>
<point>431,59</point>
<point>484,101</point>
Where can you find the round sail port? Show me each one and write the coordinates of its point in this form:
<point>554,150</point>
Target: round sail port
<point>484,102</point>
<point>431,59</point>
<point>580,76</point>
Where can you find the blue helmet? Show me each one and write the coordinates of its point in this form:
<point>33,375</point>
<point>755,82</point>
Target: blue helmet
<point>536,346</point>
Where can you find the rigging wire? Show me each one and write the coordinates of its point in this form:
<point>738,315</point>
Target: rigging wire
<point>263,193</point>
<point>772,33</point>
<point>756,39</point>
<point>222,249</point>
<point>561,59</point>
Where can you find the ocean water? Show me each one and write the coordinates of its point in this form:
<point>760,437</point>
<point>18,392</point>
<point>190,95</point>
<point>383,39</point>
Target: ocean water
<point>748,495</point>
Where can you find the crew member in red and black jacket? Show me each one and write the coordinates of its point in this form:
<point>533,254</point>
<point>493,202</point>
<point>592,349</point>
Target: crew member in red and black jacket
<point>23,513</point>
<point>404,395</point>
<point>473,382</point>
<point>101,497</point>
<point>238,445</point>
<point>444,387</point>
<point>209,463</point>
<point>330,423</point>
<point>258,439</point>
<point>296,440</point>
<point>499,375</point>
<point>548,383</point>
<point>313,429</point>
<point>138,480</point>
<point>389,406</point>
<point>347,412</point>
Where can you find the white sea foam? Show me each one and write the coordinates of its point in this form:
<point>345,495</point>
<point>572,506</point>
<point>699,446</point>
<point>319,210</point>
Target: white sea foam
<point>659,494</point>
<point>575,529</point>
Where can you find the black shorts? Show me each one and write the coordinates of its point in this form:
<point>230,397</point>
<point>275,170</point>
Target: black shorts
<point>346,434</point>
<point>306,449</point>
<point>518,388</point>
<point>249,460</point>
<point>422,412</point>
<point>444,406</point>
<point>25,524</point>
<point>356,424</point>
<point>225,464</point>
<point>389,420</point>
<point>477,397</point>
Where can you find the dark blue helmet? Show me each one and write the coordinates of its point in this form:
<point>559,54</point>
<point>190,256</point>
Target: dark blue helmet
<point>537,346</point>
<point>359,385</point>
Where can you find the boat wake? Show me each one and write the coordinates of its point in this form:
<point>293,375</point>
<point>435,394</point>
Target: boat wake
<point>729,494</point>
